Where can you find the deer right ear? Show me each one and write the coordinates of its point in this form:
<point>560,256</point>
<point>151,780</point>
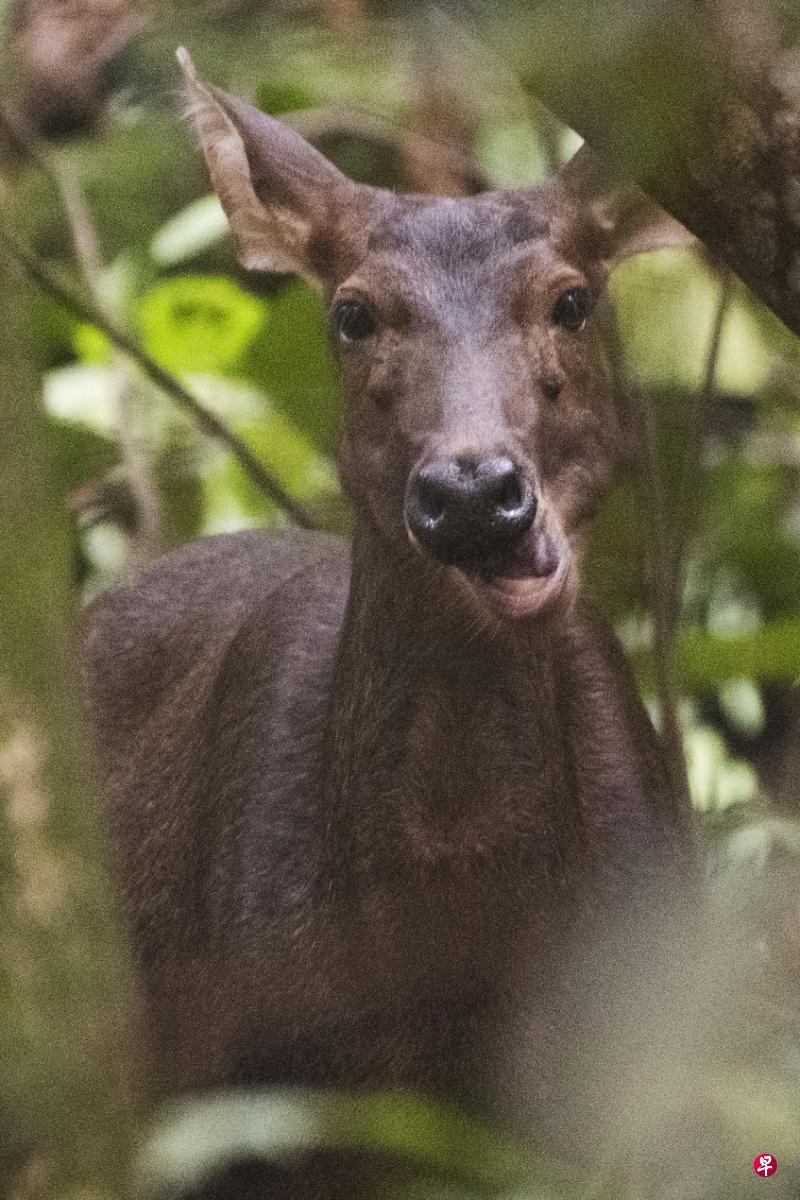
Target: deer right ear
<point>629,222</point>
<point>278,192</point>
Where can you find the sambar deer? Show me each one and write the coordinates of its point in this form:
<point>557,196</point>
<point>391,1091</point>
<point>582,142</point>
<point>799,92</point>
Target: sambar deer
<point>382,812</point>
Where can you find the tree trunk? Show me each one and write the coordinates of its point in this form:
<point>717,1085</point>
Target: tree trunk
<point>64,1018</point>
<point>700,102</point>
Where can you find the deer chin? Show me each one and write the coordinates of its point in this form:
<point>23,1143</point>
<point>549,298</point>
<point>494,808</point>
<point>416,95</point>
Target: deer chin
<point>510,596</point>
<point>531,581</point>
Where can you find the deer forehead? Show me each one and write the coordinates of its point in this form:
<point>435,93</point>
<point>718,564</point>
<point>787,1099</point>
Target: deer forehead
<point>449,230</point>
<point>442,259</point>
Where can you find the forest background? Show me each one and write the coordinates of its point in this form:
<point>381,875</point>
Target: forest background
<point>152,392</point>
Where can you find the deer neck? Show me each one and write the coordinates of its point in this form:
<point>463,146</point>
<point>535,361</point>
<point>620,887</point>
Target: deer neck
<point>444,731</point>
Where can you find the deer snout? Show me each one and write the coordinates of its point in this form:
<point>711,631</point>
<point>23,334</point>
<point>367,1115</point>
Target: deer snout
<point>469,512</point>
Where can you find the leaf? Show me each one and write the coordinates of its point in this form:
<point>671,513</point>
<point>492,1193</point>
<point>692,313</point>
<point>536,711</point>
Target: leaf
<point>666,304</point>
<point>78,454</point>
<point>199,323</point>
<point>511,153</point>
<point>86,394</point>
<point>716,780</point>
<point>92,346</point>
<point>200,225</point>
<point>740,700</point>
<point>283,96</point>
<point>232,499</point>
<point>770,653</point>
<point>292,362</point>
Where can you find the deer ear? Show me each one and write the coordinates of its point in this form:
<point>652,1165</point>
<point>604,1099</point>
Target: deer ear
<point>277,191</point>
<point>629,222</point>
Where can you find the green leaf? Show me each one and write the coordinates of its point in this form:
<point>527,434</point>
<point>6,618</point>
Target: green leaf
<point>770,653</point>
<point>92,346</point>
<point>200,225</point>
<point>666,305</point>
<point>511,153</point>
<point>199,323</point>
<point>740,700</point>
<point>78,454</point>
<point>283,96</point>
<point>232,499</point>
<point>292,362</point>
<point>716,779</point>
<point>86,394</point>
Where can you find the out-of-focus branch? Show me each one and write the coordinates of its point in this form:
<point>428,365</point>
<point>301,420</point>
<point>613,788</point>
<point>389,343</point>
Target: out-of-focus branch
<point>147,538</point>
<point>664,581</point>
<point>345,17</point>
<point>61,51</point>
<point>67,1034</point>
<point>668,539</point>
<point>691,485</point>
<point>443,109</point>
<point>88,312</point>
<point>146,541</point>
<point>421,150</point>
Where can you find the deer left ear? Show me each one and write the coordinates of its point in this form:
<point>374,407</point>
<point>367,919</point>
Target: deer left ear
<point>628,221</point>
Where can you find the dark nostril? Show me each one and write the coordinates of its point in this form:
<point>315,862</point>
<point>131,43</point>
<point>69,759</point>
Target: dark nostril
<point>431,498</point>
<point>506,491</point>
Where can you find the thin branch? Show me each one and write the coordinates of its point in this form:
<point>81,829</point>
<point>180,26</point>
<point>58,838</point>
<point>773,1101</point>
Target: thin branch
<point>664,593</point>
<point>89,313</point>
<point>146,542</point>
<point>690,488</point>
<point>668,541</point>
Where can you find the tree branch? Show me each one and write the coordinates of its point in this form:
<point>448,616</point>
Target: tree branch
<point>89,313</point>
<point>146,539</point>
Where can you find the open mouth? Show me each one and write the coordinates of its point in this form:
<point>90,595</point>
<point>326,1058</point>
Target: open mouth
<point>520,580</point>
<point>527,580</point>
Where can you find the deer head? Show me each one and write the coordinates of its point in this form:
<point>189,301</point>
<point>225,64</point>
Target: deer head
<point>479,428</point>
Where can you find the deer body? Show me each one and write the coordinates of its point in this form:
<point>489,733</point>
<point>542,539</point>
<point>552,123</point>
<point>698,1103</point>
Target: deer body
<point>368,802</point>
<point>339,834</point>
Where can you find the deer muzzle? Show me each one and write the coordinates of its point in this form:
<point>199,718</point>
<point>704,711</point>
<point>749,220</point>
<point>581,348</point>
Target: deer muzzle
<point>479,515</point>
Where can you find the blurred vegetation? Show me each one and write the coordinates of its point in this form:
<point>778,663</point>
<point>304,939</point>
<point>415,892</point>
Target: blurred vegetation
<point>696,556</point>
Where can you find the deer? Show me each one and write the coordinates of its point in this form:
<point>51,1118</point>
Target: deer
<point>383,810</point>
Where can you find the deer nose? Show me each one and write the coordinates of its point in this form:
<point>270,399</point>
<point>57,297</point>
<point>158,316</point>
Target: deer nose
<point>466,512</point>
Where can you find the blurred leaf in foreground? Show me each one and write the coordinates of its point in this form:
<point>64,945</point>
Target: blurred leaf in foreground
<point>200,225</point>
<point>196,1139</point>
<point>199,323</point>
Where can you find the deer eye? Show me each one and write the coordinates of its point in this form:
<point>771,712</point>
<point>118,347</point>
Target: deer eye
<point>353,320</point>
<point>572,309</point>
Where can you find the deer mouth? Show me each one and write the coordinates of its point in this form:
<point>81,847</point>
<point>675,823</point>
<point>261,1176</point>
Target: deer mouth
<point>527,580</point>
